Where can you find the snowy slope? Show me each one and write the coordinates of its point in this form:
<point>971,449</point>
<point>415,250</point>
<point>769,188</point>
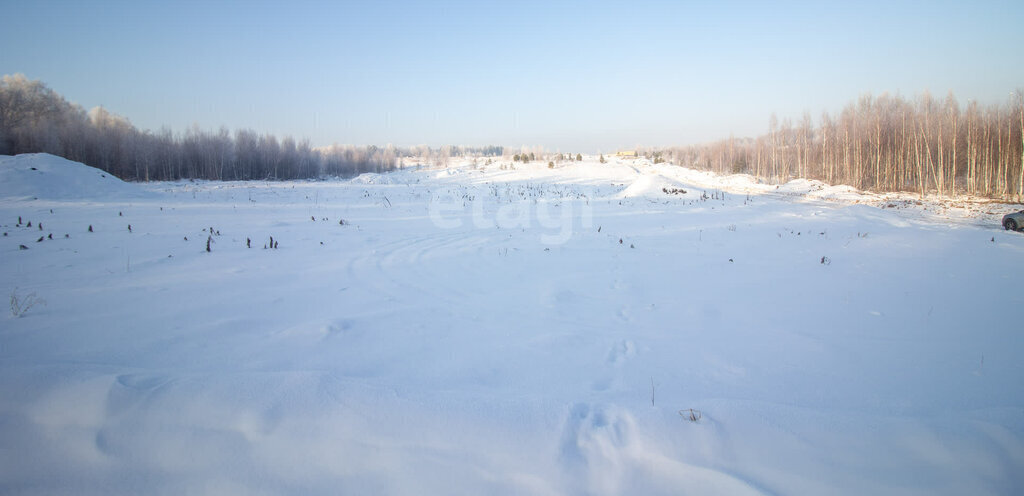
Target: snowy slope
<point>47,177</point>
<point>509,331</point>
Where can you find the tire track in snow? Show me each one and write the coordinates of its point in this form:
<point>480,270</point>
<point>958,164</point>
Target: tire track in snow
<point>396,269</point>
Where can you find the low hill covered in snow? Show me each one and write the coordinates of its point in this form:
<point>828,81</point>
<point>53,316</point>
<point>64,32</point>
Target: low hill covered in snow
<point>47,177</point>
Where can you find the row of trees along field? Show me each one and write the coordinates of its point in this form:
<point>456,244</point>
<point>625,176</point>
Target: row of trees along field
<point>884,143</point>
<point>34,118</point>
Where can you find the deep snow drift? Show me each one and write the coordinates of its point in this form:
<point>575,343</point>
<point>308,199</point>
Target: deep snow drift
<point>487,330</point>
<point>43,176</point>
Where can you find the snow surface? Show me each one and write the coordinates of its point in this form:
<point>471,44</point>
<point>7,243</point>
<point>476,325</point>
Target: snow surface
<point>44,176</point>
<point>482,330</point>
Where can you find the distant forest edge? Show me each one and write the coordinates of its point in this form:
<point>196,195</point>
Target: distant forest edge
<point>34,118</point>
<point>883,143</point>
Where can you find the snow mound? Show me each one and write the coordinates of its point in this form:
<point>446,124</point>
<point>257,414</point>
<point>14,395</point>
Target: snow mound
<point>842,192</point>
<point>800,187</point>
<point>653,185</point>
<point>740,182</point>
<point>372,178</point>
<point>48,177</point>
<point>811,188</point>
<point>448,172</point>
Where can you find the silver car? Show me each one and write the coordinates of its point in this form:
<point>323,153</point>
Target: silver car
<point>1014,221</point>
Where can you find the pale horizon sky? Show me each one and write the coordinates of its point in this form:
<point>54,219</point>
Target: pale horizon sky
<point>569,76</point>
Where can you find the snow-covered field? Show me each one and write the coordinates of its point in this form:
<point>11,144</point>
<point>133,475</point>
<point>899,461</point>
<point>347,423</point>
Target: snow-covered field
<point>480,330</point>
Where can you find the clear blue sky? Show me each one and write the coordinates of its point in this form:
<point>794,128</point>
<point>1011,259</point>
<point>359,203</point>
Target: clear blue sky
<point>566,75</point>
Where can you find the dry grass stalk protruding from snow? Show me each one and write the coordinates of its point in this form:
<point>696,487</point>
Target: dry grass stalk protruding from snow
<point>20,305</point>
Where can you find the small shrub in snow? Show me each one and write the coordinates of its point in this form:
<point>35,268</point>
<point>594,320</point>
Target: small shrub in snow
<point>21,304</point>
<point>691,414</point>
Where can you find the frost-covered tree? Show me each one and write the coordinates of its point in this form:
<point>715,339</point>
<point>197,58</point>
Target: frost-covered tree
<point>886,143</point>
<point>34,118</point>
